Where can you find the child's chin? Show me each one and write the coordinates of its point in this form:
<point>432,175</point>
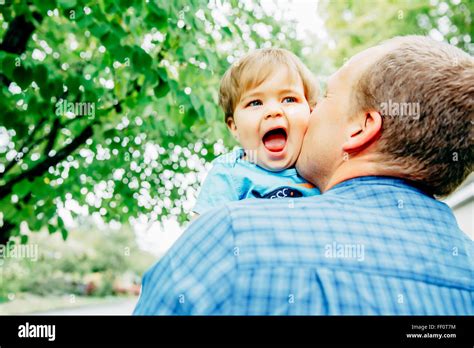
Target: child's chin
<point>277,165</point>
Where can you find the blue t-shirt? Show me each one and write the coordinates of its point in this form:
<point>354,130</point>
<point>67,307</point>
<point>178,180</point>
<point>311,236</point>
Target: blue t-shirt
<point>232,178</point>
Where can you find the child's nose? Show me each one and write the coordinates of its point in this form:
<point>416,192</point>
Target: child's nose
<point>273,110</point>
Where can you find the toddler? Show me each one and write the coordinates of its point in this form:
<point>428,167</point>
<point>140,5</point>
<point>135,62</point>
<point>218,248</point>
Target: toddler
<point>267,97</point>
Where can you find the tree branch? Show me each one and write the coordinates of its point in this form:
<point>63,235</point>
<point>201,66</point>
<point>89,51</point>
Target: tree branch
<point>5,232</point>
<point>16,38</point>
<point>53,134</point>
<point>17,35</point>
<point>42,167</point>
<point>26,143</point>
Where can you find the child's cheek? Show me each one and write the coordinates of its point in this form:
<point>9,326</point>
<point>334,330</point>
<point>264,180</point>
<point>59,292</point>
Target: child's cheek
<point>304,119</point>
<point>250,136</point>
<point>304,125</point>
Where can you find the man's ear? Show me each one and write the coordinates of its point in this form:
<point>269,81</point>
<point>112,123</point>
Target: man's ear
<point>232,127</point>
<point>363,131</point>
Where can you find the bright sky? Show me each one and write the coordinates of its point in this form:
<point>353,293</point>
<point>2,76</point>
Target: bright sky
<point>305,12</point>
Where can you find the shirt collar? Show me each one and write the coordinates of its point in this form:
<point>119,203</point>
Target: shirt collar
<point>376,181</point>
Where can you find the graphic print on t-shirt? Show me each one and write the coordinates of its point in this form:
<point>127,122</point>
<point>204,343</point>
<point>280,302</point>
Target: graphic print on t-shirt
<point>281,192</point>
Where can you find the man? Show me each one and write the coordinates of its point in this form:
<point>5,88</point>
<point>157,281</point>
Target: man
<point>392,131</point>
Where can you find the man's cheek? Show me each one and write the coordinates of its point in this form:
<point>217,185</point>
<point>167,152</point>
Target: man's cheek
<point>306,125</point>
<point>301,124</point>
<point>310,126</point>
<point>305,131</point>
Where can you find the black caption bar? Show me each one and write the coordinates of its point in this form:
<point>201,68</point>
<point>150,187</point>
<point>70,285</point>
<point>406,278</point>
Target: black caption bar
<point>36,331</point>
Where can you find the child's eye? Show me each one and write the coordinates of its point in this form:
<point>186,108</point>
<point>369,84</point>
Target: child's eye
<point>254,103</point>
<point>289,100</point>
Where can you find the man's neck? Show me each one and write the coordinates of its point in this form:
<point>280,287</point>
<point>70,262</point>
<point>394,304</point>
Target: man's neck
<point>354,168</point>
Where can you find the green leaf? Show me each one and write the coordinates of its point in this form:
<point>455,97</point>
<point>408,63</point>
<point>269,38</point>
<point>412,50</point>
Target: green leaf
<point>110,40</point>
<point>22,188</point>
<point>40,76</point>
<point>157,16</point>
<point>64,233</point>
<point>67,3</point>
<point>99,29</point>
<point>9,211</point>
<point>162,89</point>
<point>62,227</point>
<point>23,76</point>
<point>45,5</point>
<point>34,106</point>
<point>199,24</point>
<point>190,117</point>
<point>211,59</point>
<point>40,188</point>
<point>85,21</point>
<point>73,83</point>
<point>55,88</point>
<point>141,60</point>
<point>125,4</point>
<point>36,225</point>
<point>118,30</point>
<point>51,229</point>
<point>50,212</point>
<point>227,31</point>
<point>195,101</point>
<point>162,73</point>
<point>189,50</point>
<point>152,78</point>
<point>157,20</point>
<point>119,53</point>
<point>210,112</point>
<point>9,65</point>
<point>121,85</point>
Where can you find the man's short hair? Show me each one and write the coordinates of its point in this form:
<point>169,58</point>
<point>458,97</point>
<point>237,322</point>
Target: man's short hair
<point>424,90</point>
<point>252,69</point>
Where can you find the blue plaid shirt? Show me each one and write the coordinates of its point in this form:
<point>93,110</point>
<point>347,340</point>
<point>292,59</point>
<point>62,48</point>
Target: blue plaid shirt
<point>369,245</point>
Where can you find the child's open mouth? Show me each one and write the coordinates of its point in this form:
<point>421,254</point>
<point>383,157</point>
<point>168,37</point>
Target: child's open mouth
<point>275,140</point>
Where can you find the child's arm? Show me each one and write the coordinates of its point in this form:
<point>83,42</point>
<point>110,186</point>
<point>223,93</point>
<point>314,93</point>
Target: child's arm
<point>218,188</point>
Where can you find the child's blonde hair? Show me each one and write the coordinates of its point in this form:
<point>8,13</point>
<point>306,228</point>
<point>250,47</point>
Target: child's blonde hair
<point>252,69</point>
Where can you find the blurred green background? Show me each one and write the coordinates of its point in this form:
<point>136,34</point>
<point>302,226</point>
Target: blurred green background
<point>109,116</point>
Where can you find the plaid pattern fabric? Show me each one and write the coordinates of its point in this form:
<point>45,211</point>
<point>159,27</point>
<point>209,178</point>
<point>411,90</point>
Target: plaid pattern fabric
<point>370,245</point>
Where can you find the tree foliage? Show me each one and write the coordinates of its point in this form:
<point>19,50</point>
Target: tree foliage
<point>354,25</point>
<point>112,105</point>
<point>109,108</point>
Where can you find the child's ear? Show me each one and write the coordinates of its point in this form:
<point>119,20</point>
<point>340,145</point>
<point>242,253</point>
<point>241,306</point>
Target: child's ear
<point>232,127</point>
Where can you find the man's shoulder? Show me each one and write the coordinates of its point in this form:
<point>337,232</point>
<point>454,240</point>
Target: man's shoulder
<point>212,217</point>
<point>277,215</point>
